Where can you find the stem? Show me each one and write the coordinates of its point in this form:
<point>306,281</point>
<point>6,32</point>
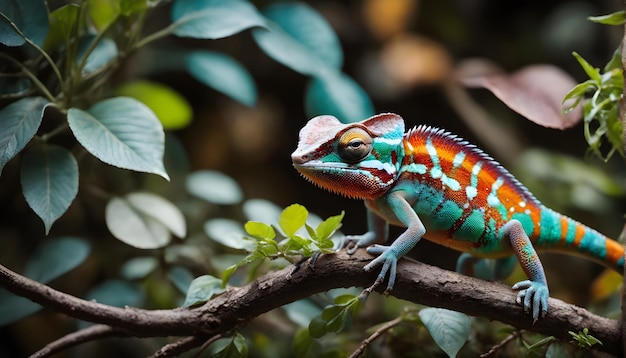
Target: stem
<point>153,37</point>
<point>30,75</point>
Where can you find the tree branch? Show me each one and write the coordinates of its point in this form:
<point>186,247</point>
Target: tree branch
<point>91,333</point>
<point>416,282</point>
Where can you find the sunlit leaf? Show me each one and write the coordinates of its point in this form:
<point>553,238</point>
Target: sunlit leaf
<point>536,92</point>
<point>616,18</point>
<point>202,289</point>
<point>29,16</point>
<point>260,230</point>
<point>340,96</point>
<point>172,109</point>
<point>20,121</point>
<point>103,12</point>
<point>122,132</point>
<point>160,209</point>
<point>223,74</point>
<point>213,19</point>
<point>449,329</point>
<point>133,227</point>
<point>214,187</point>
<point>293,218</point>
<point>49,181</point>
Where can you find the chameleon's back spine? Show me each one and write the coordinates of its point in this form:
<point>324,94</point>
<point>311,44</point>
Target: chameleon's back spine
<point>561,233</point>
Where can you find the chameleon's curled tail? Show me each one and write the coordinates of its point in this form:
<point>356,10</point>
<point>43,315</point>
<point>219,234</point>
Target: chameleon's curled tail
<point>579,239</point>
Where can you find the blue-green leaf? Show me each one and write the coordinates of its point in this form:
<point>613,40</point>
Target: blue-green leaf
<point>138,267</point>
<point>309,29</point>
<point>49,181</point>
<point>214,187</point>
<point>449,329</point>
<point>122,132</point>
<point>202,289</point>
<point>103,52</point>
<point>338,95</point>
<point>29,16</point>
<point>223,74</point>
<point>20,121</point>
<point>180,277</point>
<point>213,19</point>
<point>116,293</point>
<point>51,260</point>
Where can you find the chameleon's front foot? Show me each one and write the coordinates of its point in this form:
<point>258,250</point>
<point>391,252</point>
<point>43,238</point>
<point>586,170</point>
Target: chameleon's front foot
<point>534,297</point>
<point>388,257</point>
<point>353,242</point>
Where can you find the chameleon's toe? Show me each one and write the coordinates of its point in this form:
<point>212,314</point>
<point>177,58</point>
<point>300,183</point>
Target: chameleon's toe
<point>534,298</point>
<point>388,258</point>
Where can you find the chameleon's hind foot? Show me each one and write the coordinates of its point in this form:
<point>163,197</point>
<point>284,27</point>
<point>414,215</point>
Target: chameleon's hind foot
<point>533,296</point>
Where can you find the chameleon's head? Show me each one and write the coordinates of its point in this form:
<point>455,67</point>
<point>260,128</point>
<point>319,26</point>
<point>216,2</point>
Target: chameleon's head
<point>358,160</point>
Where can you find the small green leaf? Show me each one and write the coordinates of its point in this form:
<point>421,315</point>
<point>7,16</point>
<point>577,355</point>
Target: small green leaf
<point>260,230</point>
<point>338,95</point>
<point>20,121</point>
<point>449,329</point>
<point>616,18</point>
<point>236,347</point>
<point>103,12</point>
<point>49,181</point>
<point>317,327</point>
<point>328,227</point>
<point>213,19</point>
<point>122,132</point>
<point>202,289</point>
<point>214,187</point>
<point>591,71</point>
<point>223,74</point>
<point>170,107</point>
<point>292,219</point>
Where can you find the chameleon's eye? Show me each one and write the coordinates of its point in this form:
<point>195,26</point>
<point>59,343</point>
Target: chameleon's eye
<point>354,145</point>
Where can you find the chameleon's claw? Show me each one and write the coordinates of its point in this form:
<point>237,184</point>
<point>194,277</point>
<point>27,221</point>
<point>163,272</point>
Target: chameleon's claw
<point>534,298</point>
<point>389,260</point>
<point>351,246</point>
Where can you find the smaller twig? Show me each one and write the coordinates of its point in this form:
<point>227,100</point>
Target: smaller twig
<point>181,346</point>
<point>379,332</point>
<point>90,333</point>
<point>504,342</point>
<point>206,344</point>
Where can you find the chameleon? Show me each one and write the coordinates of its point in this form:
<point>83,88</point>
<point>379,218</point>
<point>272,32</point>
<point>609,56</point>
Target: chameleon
<point>446,190</point>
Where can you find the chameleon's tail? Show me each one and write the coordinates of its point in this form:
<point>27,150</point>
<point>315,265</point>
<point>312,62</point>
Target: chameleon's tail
<point>578,239</point>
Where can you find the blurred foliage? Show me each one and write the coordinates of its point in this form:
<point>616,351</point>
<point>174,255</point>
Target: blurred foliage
<point>97,96</point>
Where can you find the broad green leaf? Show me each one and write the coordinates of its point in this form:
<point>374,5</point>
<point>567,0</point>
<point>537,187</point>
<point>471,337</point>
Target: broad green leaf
<point>223,74</point>
<point>51,260</point>
<point>105,51</point>
<point>338,95</point>
<point>138,267</point>
<point>103,12</point>
<point>170,107</point>
<point>133,227</point>
<point>309,29</point>
<point>116,293</point>
<point>260,230</point>
<point>20,121</point>
<point>159,209</point>
<point>293,218</point>
<point>214,187</point>
<point>202,289</point>
<point>62,22</point>
<point>213,19</point>
<point>228,233</point>
<point>49,181</point>
<point>449,329</point>
<point>29,16</point>
<point>616,18</point>
<point>328,227</point>
<point>122,132</point>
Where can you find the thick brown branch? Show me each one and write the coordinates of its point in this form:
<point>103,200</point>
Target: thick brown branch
<point>415,282</point>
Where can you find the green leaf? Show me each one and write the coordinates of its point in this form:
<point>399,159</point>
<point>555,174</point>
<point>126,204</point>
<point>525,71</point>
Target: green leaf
<point>29,16</point>
<point>133,227</point>
<point>20,121</point>
<point>104,51</point>
<point>228,233</point>
<point>202,289</point>
<point>159,209</point>
<point>213,19</point>
<point>62,23</point>
<point>236,347</point>
<point>122,132</point>
<point>131,7</point>
<point>449,329</point>
<point>170,107</point>
<point>223,74</point>
<point>260,230</point>
<point>309,29</point>
<point>292,219</point>
<point>304,345</point>
<point>49,181</point>
<point>591,71</point>
<point>301,312</point>
<point>180,277</point>
<point>338,95</point>
<point>317,327</point>
<point>138,267</point>
<point>616,18</point>
<point>103,12</point>
<point>329,226</point>
<point>52,259</point>
<point>214,187</point>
